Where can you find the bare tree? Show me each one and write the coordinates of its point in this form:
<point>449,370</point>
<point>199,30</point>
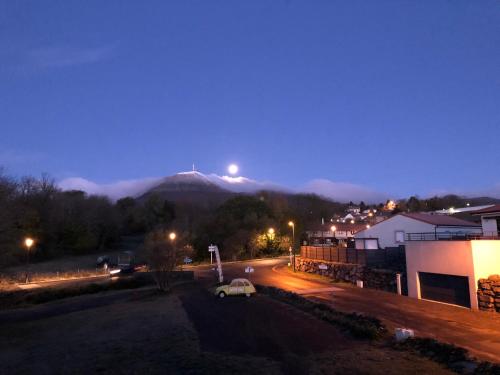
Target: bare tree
<point>163,255</point>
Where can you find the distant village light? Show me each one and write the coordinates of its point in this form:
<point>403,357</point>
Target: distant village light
<point>352,221</point>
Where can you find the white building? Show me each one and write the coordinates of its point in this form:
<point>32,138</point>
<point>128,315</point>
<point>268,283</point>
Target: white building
<point>448,271</point>
<point>394,231</point>
<point>490,220</point>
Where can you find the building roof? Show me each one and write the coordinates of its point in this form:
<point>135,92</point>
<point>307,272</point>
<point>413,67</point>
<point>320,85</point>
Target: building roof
<point>489,210</point>
<point>453,210</point>
<point>440,220</point>
<point>341,227</point>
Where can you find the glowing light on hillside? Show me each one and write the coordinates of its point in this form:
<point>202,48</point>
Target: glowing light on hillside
<point>233,169</point>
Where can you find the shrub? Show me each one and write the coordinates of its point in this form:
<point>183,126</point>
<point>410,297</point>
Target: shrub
<point>358,325</point>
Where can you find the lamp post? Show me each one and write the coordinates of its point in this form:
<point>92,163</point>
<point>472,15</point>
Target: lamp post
<point>28,242</point>
<point>292,224</point>
<point>172,236</point>
<point>333,228</point>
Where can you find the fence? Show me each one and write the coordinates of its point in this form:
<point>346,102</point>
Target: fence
<point>393,258</point>
<point>451,236</point>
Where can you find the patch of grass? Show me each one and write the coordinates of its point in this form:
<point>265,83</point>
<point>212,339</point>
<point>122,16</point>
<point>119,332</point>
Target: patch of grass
<point>359,326</point>
<point>455,358</point>
<point>15,299</point>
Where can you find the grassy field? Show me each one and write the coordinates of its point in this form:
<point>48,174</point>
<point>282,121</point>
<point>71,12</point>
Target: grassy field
<point>70,266</point>
<point>187,331</point>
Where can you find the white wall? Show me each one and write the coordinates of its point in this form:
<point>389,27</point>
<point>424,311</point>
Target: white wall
<point>445,257</point>
<point>486,256</point>
<point>489,226</point>
<point>386,230</point>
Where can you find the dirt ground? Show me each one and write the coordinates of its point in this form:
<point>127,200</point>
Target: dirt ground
<point>188,331</point>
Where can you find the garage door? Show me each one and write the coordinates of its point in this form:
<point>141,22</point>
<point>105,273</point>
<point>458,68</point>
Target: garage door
<point>445,288</point>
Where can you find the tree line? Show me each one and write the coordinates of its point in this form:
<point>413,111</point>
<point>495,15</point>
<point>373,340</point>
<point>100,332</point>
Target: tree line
<point>244,226</point>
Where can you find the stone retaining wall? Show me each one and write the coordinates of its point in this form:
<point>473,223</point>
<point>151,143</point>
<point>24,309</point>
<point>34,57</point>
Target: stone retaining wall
<point>347,272</point>
<point>488,293</point>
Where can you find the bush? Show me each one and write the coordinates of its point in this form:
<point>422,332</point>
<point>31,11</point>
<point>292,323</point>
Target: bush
<point>453,357</point>
<point>358,325</point>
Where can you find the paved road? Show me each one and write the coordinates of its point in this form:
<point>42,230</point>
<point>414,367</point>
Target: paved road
<point>475,330</point>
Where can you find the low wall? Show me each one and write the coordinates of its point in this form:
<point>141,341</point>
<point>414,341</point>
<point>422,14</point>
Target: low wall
<point>347,272</point>
<point>488,293</point>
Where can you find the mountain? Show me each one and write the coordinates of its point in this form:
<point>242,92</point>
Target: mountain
<point>189,187</point>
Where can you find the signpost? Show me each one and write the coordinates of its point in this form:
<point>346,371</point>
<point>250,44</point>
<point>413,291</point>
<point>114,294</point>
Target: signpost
<point>211,249</point>
<point>249,270</point>
<point>187,260</point>
<point>215,249</point>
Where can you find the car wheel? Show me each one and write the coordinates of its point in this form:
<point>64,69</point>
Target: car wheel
<point>222,295</point>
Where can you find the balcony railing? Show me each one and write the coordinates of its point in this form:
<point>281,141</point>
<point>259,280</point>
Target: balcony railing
<point>451,236</point>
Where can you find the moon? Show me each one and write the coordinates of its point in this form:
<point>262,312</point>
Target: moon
<point>232,169</point>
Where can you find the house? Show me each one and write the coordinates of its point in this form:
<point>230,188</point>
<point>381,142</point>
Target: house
<point>490,220</point>
<point>394,231</point>
<point>330,233</point>
<point>448,269</point>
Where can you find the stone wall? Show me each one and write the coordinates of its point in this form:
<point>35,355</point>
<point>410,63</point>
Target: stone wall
<point>347,272</point>
<point>488,293</point>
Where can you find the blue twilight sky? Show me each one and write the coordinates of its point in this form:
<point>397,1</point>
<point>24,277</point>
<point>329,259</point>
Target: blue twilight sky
<point>401,97</point>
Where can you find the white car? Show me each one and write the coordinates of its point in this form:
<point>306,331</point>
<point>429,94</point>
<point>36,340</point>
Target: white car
<point>236,287</point>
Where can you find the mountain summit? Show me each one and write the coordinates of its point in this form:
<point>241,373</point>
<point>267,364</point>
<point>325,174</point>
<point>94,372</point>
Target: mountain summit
<point>189,187</point>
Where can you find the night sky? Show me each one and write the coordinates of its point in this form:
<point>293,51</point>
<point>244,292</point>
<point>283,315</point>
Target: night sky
<point>400,97</point>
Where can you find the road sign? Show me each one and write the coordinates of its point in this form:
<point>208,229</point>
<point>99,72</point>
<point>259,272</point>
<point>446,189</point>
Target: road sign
<point>323,267</point>
<point>188,260</point>
<point>211,248</point>
<point>249,269</point>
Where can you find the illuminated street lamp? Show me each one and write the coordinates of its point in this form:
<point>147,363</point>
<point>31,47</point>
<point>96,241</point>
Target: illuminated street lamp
<point>367,226</point>
<point>271,231</point>
<point>28,242</point>
<point>172,236</point>
<point>292,224</point>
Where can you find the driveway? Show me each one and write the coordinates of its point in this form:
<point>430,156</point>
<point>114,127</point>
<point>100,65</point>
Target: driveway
<point>477,331</point>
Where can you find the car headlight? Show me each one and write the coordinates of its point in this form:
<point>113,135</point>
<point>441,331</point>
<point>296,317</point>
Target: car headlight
<point>114,272</point>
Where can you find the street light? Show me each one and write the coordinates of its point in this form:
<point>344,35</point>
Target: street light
<point>333,228</point>
<point>172,236</point>
<point>271,231</point>
<point>28,242</point>
<point>292,224</point>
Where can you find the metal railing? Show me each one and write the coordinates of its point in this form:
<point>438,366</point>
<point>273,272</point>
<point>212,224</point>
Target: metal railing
<point>450,236</point>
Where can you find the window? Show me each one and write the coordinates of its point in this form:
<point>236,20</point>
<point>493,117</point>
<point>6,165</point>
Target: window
<point>400,236</point>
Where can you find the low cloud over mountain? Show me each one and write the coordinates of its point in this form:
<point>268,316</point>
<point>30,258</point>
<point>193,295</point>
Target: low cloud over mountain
<point>338,191</point>
<point>344,191</point>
